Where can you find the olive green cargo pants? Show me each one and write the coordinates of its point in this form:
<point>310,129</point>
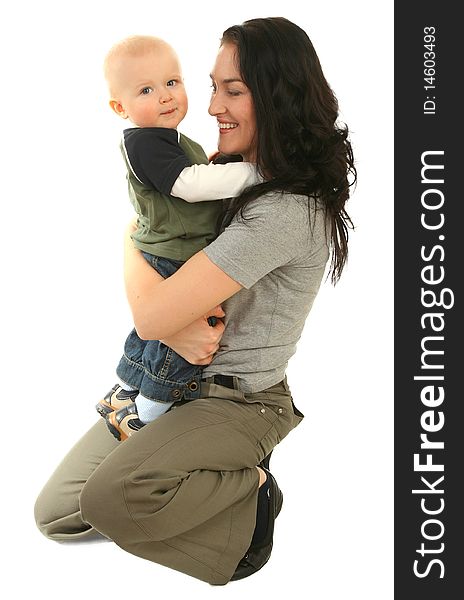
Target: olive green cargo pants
<point>182,491</point>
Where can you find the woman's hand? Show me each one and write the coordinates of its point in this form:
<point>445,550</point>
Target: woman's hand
<point>198,342</point>
<point>213,155</point>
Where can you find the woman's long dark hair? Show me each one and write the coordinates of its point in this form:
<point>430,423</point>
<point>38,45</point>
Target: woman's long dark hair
<point>300,148</point>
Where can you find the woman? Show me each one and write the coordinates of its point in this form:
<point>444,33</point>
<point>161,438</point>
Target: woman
<point>186,491</point>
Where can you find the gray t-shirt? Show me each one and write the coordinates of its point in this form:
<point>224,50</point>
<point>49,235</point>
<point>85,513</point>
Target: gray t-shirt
<point>279,256</point>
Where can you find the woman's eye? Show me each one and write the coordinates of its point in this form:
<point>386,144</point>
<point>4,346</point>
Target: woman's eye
<point>146,90</point>
<point>233,93</point>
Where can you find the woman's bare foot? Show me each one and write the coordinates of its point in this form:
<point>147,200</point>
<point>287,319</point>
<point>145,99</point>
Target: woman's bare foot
<point>262,476</point>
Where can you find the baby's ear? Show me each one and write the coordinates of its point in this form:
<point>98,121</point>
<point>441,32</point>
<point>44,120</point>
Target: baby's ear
<point>118,108</point>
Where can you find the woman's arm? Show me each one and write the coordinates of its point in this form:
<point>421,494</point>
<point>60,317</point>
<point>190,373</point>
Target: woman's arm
<point>162,307</point>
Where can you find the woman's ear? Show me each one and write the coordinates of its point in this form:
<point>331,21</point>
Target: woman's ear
<point>118,108</point>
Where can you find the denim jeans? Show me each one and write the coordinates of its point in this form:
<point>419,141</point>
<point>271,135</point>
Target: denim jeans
<point>153,368</point>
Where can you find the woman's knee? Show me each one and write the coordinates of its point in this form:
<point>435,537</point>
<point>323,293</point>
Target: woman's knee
<point>58,521</point>
<point>44,517</point>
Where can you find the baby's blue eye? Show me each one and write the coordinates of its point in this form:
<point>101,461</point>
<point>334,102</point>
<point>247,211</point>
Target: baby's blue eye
<point>171,83</point>
<point>146,90</point>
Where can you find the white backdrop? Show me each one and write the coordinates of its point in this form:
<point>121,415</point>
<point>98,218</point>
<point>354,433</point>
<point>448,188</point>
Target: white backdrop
<point>64,316</point>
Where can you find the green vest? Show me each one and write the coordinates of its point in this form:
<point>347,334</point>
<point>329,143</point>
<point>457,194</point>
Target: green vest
<point>169,226</point>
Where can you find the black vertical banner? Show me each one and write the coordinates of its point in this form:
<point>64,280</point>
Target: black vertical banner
<point>429,331</point>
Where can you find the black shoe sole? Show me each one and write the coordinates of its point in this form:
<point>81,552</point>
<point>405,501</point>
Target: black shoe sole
<point>113,430</point>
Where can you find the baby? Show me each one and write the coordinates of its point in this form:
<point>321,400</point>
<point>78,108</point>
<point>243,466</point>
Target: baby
<point>146,87</point>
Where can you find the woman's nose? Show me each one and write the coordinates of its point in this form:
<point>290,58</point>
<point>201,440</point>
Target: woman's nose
<point>216,107</point>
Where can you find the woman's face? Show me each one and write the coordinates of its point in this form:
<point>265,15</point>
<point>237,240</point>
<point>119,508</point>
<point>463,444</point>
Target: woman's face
<point>232,105</point>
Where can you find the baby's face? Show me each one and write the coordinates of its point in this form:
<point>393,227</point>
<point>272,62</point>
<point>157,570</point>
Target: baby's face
<point>149,89</point>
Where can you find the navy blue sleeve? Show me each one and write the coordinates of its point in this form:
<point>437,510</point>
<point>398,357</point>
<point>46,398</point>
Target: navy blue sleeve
<point>155,157</point>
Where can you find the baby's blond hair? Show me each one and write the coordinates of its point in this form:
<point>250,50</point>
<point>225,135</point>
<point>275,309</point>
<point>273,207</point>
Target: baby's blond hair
<point>132,46</point>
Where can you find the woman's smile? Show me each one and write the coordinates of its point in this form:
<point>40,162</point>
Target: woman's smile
<point>226,127</point>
